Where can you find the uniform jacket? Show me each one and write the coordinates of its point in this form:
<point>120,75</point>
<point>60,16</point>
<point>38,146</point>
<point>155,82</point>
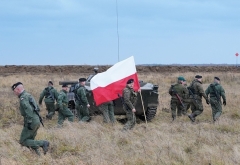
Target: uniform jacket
<point>219,89</point>
<point>48,92</point>
<point>62,100</point>
<point>81,92</point>
<point>130,97</point>
<point>27,110</point>
<point>181,90</point>
<point>197,89</point>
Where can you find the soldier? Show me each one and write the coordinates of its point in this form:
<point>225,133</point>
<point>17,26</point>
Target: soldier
<point>216,91</point>
<point>186,100</point>
<point>28,109</point>
<point>50,95</point>
<point>130,100</point>
<point>63,111</point>
<point>107,109</point>
<point>178,93</point>
<point>196,99</point>
<point>82,104</point>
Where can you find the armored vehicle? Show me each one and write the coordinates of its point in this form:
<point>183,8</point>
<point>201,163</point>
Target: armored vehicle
<point>149,96</point>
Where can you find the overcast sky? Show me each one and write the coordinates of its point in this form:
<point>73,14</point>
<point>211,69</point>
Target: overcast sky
<point>78,32</point>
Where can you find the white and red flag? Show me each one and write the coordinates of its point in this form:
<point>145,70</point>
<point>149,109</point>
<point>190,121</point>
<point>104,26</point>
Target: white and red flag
<point>107,85</point>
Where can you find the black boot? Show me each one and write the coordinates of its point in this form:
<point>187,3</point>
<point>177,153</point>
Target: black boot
<point>37,151</point>
<point>45,147</point>
<point>49,117</point>
<point>191,117</point>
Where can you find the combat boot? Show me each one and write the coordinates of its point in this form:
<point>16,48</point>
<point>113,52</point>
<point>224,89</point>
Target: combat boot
<point>191,117</point>
<point>45,147</point>
<point>37,151</point>
<point>48,117</point>
<point>215,119</point>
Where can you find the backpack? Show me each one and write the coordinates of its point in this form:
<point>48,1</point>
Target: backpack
<point>75,93</point>
<point>49,93</point>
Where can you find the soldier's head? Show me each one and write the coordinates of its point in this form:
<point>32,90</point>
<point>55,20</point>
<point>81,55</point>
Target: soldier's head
<point>130,83</point>
<point>181,79</point>
<point>216,80</point>
<point>65,87</point>
<point>82,81</point>
<point>198,77</point>
<point>50,83</point>
<point>17,88</point>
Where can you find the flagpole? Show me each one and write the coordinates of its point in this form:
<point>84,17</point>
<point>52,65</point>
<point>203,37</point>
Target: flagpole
<point>143,108</point>
<point>117,28</point>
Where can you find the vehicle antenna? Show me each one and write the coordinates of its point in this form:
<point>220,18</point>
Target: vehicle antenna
<point>117,27</point>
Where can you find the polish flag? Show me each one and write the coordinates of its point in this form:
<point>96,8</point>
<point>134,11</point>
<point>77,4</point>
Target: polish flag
<point>107,85</point>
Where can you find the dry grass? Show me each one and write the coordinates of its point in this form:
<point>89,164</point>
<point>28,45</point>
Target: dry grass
<point>161,142</point>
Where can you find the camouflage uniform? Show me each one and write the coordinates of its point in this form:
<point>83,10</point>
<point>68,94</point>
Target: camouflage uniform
<point>31,123</point>
<point>50,95</point>
<point>108,112</point>
<point>81,105</point>
<point>130,100</point>
<point>215,103</point>
<point>63,111</point>
<point>175,103</point>
<point>186,101</point>
<point>197,106</point>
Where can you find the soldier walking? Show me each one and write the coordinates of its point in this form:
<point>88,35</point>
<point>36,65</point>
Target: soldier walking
<point>63,111</point>
<point>216,91</point>
<point>178,93</point>
<point>186,103</point>
<point>130,100</point>
<point>29,110</point>
<point>196,99</point>
<point>107,109</point>
<point>82,104</point>
<point>50,95</point>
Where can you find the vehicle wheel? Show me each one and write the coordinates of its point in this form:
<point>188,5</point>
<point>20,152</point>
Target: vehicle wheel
<point>150,113</point>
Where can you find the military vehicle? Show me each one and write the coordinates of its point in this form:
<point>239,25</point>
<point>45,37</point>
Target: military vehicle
<point>149,96</point>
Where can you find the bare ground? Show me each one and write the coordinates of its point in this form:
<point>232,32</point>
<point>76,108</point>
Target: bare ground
<point>67,69</point>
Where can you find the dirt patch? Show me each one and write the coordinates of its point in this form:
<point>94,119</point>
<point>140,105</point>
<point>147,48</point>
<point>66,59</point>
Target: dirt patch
<point>66,69</point>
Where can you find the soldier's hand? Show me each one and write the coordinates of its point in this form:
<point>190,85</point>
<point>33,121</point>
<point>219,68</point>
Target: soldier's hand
<point>29,126</point>
<point>133,110</point>
<point>224,103</point>
<point>207,101</point>
<point>88,105</point>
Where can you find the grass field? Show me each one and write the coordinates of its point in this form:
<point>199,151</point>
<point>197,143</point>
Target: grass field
<point>159,142</point>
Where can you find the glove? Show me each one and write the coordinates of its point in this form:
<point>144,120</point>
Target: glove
<point>29,126</point>
<point>207,101</point>
<point>224,103</point>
